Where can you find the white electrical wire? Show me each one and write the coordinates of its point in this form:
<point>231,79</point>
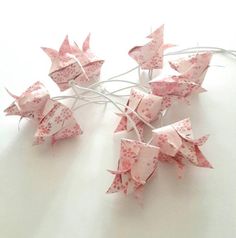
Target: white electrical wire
<point>73,85</point>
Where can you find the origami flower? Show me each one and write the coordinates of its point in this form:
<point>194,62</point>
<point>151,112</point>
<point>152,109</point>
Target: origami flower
<point>194,67</point>
<point>177,145</point>
<point>30,103</point>
<point>174,88</point>
<point>147,106</point>
<point>137,163</point>
<point>56,122</point>
<point>150,55</point>
<point>72,63</point>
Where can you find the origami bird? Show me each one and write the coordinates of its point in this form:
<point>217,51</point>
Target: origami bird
<point>194,67</point>
<point>150,55</point>
<point>30,103</point>
<point>177,145</point>
<point>137,164</point>
<point>72,63</point>
<point>146,105</point>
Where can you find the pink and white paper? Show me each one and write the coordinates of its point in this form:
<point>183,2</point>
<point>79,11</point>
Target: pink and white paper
<point>137,164</point>
<point>56,122</point>
<point>150,55</point>
<point>177,145</point>
<point>147,106</point>
<point>194,67</point>
<point>30,103</point>
<point>72,63</point>
<point>174,88</point>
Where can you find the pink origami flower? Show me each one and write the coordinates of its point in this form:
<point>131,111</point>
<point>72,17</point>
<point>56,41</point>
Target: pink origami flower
<point>174,88</point>
<point>194,67</point>
<point>147,106</point>
<point>30,103</point>
<point>150,55</point>
<point>137,164</point>
<point>177,145</point>
<point>56,122</point>
<point>72,63</point>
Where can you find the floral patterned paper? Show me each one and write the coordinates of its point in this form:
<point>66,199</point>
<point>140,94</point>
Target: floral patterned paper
<point>194,67</point>
<point>177,145</point>
<point>148,107</point>
<point>174,88</point>
<point>56,122</point>
<point>72,63</point>
<point>30,103</point>
<point>150,55</point>
<point>138,162</point>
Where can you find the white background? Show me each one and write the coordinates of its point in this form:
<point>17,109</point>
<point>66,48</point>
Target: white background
<point>59,192</point>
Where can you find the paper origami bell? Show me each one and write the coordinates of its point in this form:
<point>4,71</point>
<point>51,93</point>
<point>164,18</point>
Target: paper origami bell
<point>30,103</point>
<point>72,63</point>
<point>193,67</point>
<point>150,55</point>
<point>147,106</point>
<point>177,145</point>
<point>137,163</point>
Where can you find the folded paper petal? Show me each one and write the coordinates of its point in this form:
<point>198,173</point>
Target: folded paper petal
<point>137,163</point>
<point>30,103</point>
<point>150,55</point>
<point>194,67</point>
<point>174,88</point>
<point>56,122</point>
<point>147,106</point>
<point>177,145</point>
<point>72,63</point>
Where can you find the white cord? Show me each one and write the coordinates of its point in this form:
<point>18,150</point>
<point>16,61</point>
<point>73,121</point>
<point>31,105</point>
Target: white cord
<point>200,49</point>
<point>122,74</point>
<point>72,84</point>
<point>121,104</point>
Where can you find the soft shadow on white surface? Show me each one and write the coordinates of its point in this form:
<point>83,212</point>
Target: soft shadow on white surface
<point>59,191</point>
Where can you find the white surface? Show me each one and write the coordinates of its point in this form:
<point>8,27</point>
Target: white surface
<point>60,192</point>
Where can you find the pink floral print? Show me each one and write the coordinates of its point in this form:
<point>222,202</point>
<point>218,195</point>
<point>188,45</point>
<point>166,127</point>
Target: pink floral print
<point>56,122</point>
<point>72,63</point>
<point>137,163</point>
<point>177,145</point>
<point>30,103</point>
<point>194,67</point>
<point>147,106</point>
<point>150,55</point>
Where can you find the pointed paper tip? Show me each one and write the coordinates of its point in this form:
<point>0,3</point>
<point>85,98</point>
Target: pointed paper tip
<point>11,94</point>
<point>86,44</point>
<point>65,46</point>
<point>50,52</point>
<point>158,31</point>
<point>210,166</point>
